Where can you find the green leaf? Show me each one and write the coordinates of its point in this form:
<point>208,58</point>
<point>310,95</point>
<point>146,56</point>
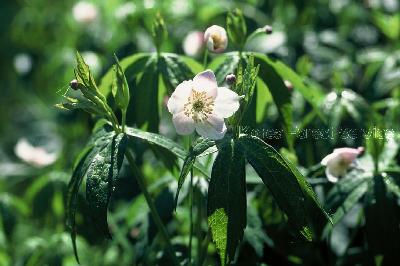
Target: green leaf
<point>280,94</point>
<point>263,98</point>
<point>227,200</point>
<point>382,218</point>
<point>348,193</point>
<point>198,148</point>
<point>311,93</point>
<point>227,66</point>
<point>288,186</point>
<point>164,142</point>
<point>388,24</point>
<point>131,66</point>
<point>72,195</point>
<point>82,71</point>
<point>80,103</point>
<point>96,143</point>
<point>144,107</point>
<point>174,70</point>
<point>101,176</point>
<point>194,66</point>
<point>120,88</point>
<point>236,27</point>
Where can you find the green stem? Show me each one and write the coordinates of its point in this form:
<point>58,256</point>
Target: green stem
<point>123,120</point>
<point>153,211</point>
<point>205,58</point>
<point>191,216</point>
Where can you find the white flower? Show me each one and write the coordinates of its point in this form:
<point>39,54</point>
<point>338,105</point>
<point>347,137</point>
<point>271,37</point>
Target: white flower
<point>36,156</point>
<point>201,105</point>
<point>23,63</point>
<point>338,162</point>
<point>84,12</point>
<point>193,43</point>
<point>216,38</point>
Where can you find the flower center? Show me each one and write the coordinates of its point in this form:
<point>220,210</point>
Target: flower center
<point>199,106</point>
<point>216,40</point>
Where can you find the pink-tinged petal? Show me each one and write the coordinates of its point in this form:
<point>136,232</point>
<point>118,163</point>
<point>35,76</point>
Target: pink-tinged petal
<point>184,125</point>
<point>179,97</point>
<point>348,155</point>
<point>226,103</point>
<point>206,81</point>
<point>213,128</point>
<point>330,176</point>
<point>327,159</point>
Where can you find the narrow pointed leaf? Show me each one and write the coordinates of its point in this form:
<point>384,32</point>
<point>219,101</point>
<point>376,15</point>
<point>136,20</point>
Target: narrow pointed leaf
<point>226,205</point>
<point>201,146</point>
<point>288,186</point>
<point>164,142</point>
<point>101,176</point>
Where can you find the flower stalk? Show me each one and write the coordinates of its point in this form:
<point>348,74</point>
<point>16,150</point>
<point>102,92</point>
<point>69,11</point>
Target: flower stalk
<point>153,211</point>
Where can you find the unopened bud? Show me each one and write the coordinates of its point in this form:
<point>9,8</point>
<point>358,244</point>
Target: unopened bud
<point>268,29</point>
<point>74,84</point>
<point>216,39</point>
<point>230,79</point>
<point>288,85</point>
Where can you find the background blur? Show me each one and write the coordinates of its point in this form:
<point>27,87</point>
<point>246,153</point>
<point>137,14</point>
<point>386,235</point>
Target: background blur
<point>337,44</point>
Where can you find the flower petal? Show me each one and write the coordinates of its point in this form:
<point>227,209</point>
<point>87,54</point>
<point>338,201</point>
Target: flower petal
<point>205,81</point>
<point>331,177</point>
<point>226,103</point>
<point>184,125</point>
<point>213,128</point>
<point>179,97</point>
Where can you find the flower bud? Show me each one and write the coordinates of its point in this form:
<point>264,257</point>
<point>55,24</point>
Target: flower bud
<point>216,39</point>
<point>74,84</point>
<point>268,29</point>
<point>236,27</point>
<point>288,85</point>
<point>230,79</point>
<point>159,31</point>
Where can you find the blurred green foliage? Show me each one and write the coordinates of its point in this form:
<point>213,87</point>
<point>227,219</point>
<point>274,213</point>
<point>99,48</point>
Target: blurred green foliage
<point>348,52</point>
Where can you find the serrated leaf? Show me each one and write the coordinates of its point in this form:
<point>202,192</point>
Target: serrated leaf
<point>164,142</point>
<point>101,176</point>
<point>288,186</point>
<point>82,71</point>
<point>226,205</point>
<point>228,66</point>
<point>198,148</point>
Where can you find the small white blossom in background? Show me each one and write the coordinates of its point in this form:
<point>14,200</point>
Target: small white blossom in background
<point>201,105</point>
<point>22,63</point>
<point>36,156</point>
<point>216,39</point>
<point>193,43</point>
<point>84,12</point>
<point>339,161</point>
<point>93,61</point>
<point>125,10</point>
